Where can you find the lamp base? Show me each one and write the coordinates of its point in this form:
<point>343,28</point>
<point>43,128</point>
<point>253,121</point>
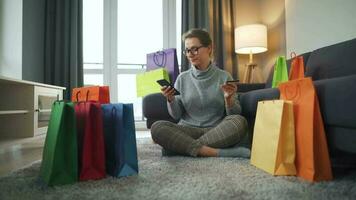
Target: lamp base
<point>248,76</point>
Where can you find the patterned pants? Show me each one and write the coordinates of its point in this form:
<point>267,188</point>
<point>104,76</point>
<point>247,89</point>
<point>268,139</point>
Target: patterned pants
<point>188,140</point>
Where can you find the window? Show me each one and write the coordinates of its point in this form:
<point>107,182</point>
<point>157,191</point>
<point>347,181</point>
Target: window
<point>139,29</point>
<point>93,42</point>
<point>117,35</point>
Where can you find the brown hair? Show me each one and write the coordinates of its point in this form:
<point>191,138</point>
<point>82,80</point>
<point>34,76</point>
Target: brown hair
<point>202,35</point>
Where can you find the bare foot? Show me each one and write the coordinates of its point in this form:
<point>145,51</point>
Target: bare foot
<point>206,151</point>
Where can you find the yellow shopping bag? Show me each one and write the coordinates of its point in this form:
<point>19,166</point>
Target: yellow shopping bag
<point>146,82</point>
<point>273,145</point>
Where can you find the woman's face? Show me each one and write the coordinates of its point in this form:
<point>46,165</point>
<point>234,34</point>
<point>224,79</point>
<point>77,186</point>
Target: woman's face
<point>196,53</point>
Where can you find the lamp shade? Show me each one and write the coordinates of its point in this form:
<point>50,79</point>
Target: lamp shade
<point>251,39</point>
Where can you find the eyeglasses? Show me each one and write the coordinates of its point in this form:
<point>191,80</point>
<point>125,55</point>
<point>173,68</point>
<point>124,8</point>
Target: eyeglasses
<point>193,50</point>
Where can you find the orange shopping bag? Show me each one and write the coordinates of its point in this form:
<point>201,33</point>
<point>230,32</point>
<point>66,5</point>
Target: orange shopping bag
<point>312,158</point>
<point>297,67</point>
<point>91,93</point>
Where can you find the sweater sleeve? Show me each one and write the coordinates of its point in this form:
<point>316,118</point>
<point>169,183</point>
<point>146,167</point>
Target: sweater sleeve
<point>175,108</point>
<point>235,109</point>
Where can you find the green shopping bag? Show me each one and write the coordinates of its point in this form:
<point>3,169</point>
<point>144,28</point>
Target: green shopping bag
<point>146,82</point>
<point>280,73</point>
<point>60,158</point>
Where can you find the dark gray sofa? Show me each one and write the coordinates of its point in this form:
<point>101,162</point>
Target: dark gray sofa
<point>333,70</point>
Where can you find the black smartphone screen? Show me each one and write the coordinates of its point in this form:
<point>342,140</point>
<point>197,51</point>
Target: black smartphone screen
<point>164,82</point>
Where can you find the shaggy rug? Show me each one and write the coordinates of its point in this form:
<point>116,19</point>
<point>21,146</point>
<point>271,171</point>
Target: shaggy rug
<point>180,178</point>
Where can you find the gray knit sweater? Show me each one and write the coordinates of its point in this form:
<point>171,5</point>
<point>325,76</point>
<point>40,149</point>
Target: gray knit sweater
<point>201,102</point>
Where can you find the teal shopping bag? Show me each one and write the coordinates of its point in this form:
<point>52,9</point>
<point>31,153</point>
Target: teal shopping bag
<point>60,159</point>
<point>120,139</point>
<point>280,73</point>
<point>128,164</point>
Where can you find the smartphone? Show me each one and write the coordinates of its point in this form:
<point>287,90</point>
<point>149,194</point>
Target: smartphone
<point>233,82</point>
<point>164,82</point>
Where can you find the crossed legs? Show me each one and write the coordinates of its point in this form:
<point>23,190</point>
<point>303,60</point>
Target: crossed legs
<point>196,141</point>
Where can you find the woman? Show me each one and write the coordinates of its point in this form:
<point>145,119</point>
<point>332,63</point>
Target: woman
<point>207,107</point>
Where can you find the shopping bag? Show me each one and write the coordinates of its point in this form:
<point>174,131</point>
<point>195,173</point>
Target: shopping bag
<point>312,158</point>
<point>120,140</point>
<point>280,73</point>
<point>273,145</point>
<point>91,149</point>
<point>91,93</point>
<point>146,83</point>
<point>59,158</point>
<point>297,67</point>
<point>167,59</point>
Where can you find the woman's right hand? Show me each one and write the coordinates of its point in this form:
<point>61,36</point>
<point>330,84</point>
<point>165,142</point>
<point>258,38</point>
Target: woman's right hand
<point>168,92</point>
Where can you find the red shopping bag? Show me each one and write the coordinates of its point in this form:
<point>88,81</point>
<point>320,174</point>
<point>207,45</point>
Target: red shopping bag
<point>312,158</point>
<point>297,67</point>
<point>92,93</point>
<point>91,149</point>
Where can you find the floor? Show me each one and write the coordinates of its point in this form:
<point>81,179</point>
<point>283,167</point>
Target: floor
<point>18,153</point>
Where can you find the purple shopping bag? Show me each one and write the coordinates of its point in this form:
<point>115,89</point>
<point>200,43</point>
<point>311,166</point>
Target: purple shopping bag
<point>166,59</point>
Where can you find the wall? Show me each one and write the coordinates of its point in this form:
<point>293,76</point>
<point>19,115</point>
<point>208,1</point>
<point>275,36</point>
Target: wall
<point>272,14</point>
<point>33,40</point>
<point>247,12</point>
<point>299,26</point>
<point>318,23</point>
<point>11,38</point>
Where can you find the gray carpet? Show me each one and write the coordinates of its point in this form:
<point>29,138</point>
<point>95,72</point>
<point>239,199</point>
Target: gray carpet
<point>180,178</point>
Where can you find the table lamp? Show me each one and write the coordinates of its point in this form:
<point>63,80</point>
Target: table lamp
<point>250,39</point>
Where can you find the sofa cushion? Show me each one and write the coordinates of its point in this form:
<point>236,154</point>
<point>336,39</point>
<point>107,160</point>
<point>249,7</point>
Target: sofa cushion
<point>155,106</point>
<point>332,61</point>
<point>247,87</point>
<point>249,100</point>
<point>341,138</point>
<point>337,98</point>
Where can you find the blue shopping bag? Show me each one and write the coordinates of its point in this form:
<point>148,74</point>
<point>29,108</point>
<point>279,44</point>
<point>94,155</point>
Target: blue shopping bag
<point>120,140</point>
